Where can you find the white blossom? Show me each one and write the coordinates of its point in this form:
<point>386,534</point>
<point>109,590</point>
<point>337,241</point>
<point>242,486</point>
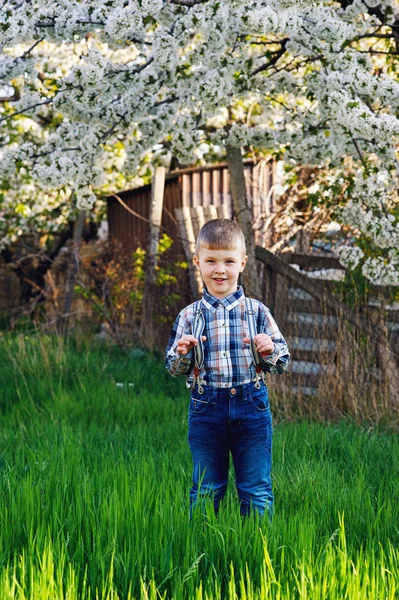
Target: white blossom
<point>165,50</point>
<point>85,198</point>
<point>382,271</point>
<point>350,256</point>
<point>125,22</point>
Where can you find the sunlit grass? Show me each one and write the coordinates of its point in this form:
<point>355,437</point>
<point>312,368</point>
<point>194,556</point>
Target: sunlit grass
<point>94,480</point>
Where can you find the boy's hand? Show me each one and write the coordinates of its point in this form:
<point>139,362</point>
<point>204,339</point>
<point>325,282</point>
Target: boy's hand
<point>186,343</point>
<point>263,343</point>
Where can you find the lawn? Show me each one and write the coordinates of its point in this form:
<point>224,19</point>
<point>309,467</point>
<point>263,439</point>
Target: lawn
<point>94,478</point>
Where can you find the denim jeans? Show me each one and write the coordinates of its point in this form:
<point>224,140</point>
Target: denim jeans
<point>237,421</point>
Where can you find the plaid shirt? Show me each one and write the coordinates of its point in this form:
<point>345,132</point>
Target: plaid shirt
<point>228,361</point>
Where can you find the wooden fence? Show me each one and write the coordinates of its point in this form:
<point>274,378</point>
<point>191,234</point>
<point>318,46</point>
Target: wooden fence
<point>334,347</point>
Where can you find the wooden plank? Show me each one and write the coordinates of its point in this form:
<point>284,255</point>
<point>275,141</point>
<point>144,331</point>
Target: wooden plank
<point>197,219</point>
<point>303,380</point>
<point>309,260</point>
<point>210,212</point>
<point>226,193</point>
<point>223,212</point>
<point>217,187</point>
<point>210,167</point>
<point>206,188</point>
<point>196,195</point>
<point>302,304</point>
<point>186,190</point>
<point>309,355</point>
<point>295,328</point>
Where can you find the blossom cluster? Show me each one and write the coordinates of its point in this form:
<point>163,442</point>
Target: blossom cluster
<point>371,213</point>
<point>94,86</point>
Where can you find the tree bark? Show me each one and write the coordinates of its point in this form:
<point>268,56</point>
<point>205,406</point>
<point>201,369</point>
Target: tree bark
<point>151,259</point>
<point>243,216</point>
<point>72,270</point>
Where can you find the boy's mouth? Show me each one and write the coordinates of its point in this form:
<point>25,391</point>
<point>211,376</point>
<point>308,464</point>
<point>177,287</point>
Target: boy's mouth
<point>218,279</point>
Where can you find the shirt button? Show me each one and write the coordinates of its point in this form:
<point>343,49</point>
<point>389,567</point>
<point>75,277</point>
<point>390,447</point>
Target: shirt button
<point>233,391</point>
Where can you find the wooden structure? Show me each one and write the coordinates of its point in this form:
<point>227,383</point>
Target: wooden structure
<point>205,187</point>
<point>333,347</point>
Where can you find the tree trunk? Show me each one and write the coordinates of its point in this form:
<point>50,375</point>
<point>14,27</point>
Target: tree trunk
<point>151,259</point>
<point>243,216</point>
<point>72,270</point>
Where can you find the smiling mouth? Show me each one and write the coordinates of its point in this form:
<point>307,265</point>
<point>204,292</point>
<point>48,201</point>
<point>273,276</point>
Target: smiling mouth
<point>219,279</point>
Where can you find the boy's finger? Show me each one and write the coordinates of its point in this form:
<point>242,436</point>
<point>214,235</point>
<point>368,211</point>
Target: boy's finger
<point>185,343</point>
<point>203,338</point>
<point>247,340</point>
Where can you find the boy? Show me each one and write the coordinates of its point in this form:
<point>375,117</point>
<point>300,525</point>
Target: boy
<point>232,341</point>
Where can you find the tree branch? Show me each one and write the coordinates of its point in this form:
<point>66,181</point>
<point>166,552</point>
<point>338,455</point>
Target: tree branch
<point>273,60</point>
<point>377,52</point>
<point>29,50</point>
<point>137,70</point>
<point>19,112</point>
<point>51,152</point>
<point>188,3</point>
<point>358,151</point>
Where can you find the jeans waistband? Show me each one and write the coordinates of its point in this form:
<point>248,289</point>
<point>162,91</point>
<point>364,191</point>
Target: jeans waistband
<point>237,391</point>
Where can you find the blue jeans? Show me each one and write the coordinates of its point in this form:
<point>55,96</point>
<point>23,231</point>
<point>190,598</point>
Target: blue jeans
<point>237,421</point>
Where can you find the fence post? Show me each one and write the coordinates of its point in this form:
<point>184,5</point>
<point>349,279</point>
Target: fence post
<point>151,258</point>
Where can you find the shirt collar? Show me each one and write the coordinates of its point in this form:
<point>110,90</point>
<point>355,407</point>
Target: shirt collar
<point>229,302</point>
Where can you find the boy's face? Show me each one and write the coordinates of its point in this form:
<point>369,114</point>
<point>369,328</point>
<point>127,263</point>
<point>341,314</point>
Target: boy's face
<point>220,269</point>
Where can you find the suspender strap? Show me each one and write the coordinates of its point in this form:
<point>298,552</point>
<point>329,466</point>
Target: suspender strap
<point>198,330</point>
<point>251,318</point>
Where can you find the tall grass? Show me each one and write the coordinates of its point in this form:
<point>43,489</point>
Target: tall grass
<point>94,479</point>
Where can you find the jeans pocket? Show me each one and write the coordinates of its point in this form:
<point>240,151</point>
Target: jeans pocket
<point>198,405</point>
<point>260,399</point>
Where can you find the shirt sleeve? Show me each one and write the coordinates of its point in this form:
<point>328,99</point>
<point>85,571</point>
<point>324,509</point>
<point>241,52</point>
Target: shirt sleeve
<point>175,363</point>
<point>279,360</point>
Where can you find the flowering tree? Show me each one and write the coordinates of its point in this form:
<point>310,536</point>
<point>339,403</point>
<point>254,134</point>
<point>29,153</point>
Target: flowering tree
<point>88,88</point>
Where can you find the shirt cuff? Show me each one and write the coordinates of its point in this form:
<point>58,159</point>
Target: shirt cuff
<point>272,359</point>
<point>181,364</point>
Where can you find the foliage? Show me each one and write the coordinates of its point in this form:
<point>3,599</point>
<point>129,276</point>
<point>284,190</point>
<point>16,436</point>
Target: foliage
<point>112,285</point>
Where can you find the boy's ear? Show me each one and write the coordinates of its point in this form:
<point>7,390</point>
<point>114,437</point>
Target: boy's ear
<point>243,263</point>
<point>195,260</point>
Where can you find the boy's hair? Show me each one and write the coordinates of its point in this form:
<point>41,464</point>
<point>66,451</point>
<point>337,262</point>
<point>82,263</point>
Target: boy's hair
<point>219,234</point>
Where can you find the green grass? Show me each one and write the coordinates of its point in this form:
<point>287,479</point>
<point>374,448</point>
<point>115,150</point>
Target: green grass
<point>94,481</point>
